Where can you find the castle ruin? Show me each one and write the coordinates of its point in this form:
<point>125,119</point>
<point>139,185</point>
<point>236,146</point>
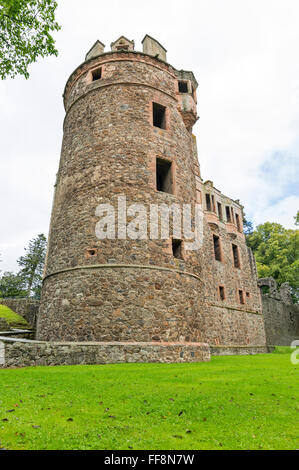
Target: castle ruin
<point>128,136</point>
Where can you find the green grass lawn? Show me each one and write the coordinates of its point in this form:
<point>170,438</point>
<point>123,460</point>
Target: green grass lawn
<point>12,318</point>
<point>241,402</point>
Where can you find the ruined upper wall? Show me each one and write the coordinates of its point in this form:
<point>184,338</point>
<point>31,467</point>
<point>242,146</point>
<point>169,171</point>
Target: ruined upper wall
<point>153,53</point>
<point>152,47</point>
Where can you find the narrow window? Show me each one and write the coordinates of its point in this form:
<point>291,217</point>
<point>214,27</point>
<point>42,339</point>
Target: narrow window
<point>159,116</point>
<point>177,249</point>
<point>228,216</point>
<point>236,256</point>
<point>217,249</point>
<point>219,210</point>
<point>241,297</point>
<point>221,293</point>
<point>97,74</point>
<point>208,202</point>
<point>164,175</point>
<point>183,87</point>
<point>248,295</point>
<point>238,222</point>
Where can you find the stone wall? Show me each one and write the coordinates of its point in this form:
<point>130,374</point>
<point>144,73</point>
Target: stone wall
<point>238,350</point>
<point>25,353</point>
<point>281,316</point>
<point>281,321</point>
<point>26,308</point>
<point>4,325</point>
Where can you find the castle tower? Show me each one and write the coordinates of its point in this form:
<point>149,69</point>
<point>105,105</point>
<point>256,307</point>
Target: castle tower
<point>128,156</point>
<point>127,139</point>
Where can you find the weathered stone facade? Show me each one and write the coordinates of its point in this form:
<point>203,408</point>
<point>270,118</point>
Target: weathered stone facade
<point>281,316</point>
<point>4,325</point>
<point>138,290</point>
<point>26,353</point>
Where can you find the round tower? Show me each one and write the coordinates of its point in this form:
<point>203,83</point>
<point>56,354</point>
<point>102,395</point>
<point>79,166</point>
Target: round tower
<point>127,144</point>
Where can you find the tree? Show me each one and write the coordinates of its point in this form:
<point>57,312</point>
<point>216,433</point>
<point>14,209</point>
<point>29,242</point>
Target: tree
<point>12,285</point>
<point>32,265</point>
<point>276,251</point>
<point>25,34</point>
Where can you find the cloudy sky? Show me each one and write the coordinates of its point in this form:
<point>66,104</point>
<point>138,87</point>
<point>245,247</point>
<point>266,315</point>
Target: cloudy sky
<point>245,57</point>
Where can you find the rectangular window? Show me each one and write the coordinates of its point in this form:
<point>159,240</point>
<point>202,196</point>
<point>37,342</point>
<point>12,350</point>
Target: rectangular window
<point>208,202</point>
<point>238,222</point>
<point>241,297</point>
<point>159,116</point>
<point>221,293</point>
<point>248,295</point>
<point>217,249</point>
<point>183,87</point>
<point>177,249</point>
<point>219,210</point>
<point>228,216</point>
<point>236,256</point>
<point>164,176</point>
<point>97,74</point>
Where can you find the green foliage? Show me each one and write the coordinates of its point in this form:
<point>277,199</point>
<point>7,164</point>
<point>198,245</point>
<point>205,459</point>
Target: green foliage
<point>12,318</point>
<point>247,224</point>
<point>25,34</point>
<point>28,281</point>
<point>276,252</point>
<point>233,402</point>
<point>12,285</point>
<point>32,265</point>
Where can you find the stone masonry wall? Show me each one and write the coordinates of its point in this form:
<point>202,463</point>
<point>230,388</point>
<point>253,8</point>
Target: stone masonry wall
<point>4,325</point>
<point>227,321</point>
<point>281,321</point>
<point>26,353</point>
<point>132,303</point>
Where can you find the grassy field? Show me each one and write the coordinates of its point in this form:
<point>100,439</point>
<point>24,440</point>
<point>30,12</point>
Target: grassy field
<point>242,402</point>
<point>12,318</point>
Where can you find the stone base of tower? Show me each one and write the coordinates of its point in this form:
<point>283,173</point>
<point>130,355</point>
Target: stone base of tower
<point>25,353</point>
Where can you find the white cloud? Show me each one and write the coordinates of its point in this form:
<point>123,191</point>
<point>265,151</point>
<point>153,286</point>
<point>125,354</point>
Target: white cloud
<point>245,57</point>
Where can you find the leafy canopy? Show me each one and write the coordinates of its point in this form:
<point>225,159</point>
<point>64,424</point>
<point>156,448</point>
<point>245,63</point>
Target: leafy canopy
<point>276,250</point>
<point>32,265</point>
<point>25,34</point>
<point>28,281</point>
<point>12,285</point>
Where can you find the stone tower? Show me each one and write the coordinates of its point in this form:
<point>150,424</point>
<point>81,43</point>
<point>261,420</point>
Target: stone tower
<point>127,132</point>
<point>128,140</point>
